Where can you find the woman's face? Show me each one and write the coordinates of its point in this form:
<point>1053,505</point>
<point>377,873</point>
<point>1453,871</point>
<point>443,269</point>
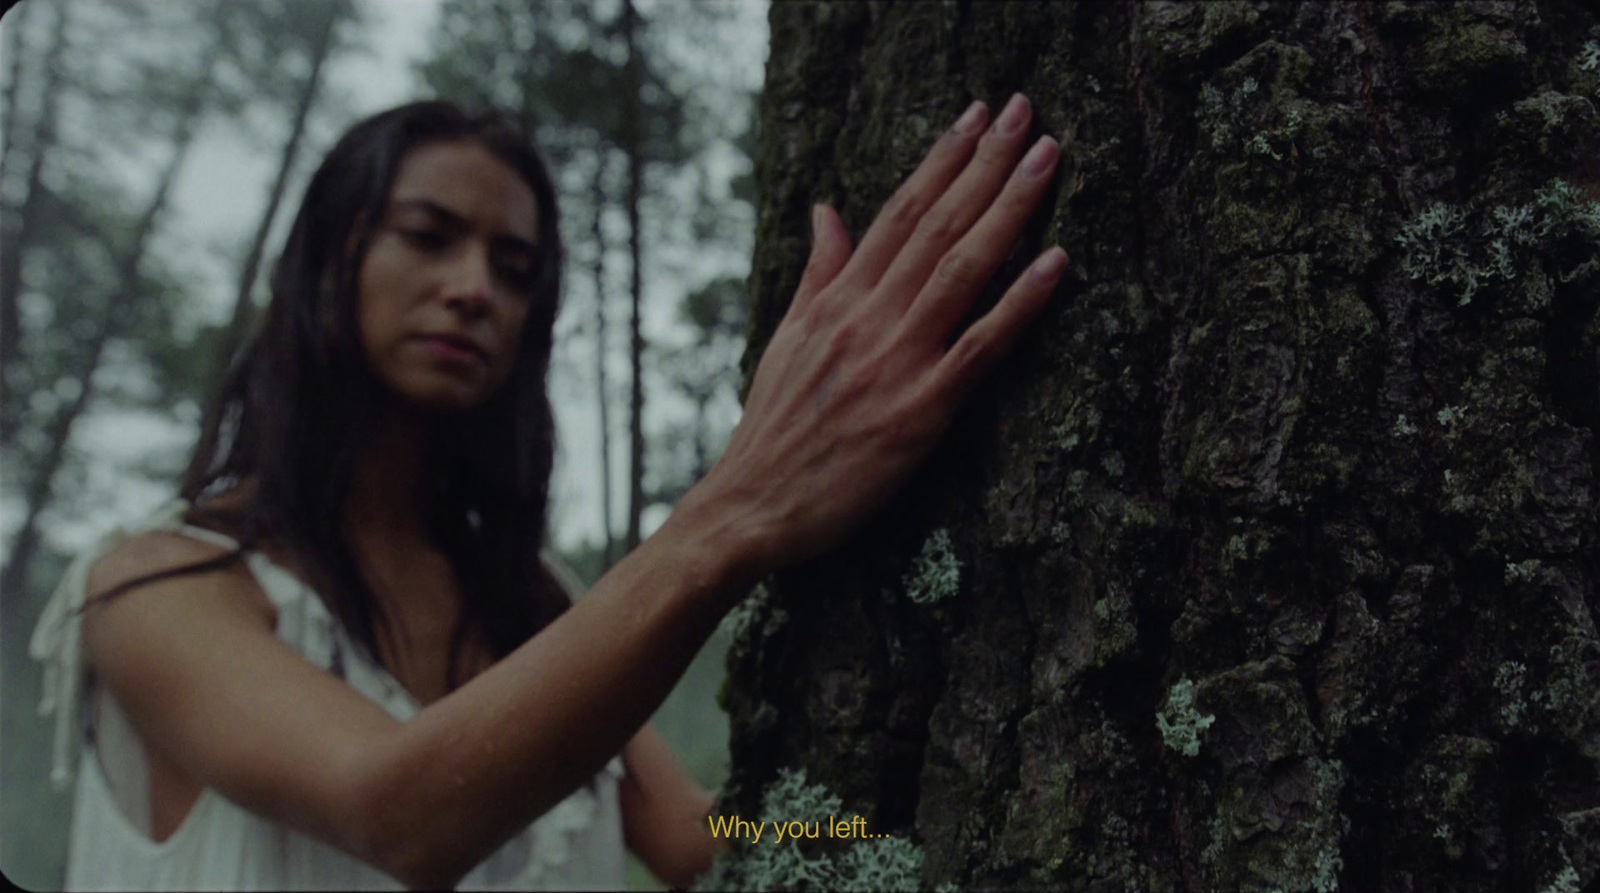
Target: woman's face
<point>446,282</point>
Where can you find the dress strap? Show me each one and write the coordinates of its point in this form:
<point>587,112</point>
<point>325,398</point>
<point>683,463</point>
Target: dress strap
<point>57,639</point>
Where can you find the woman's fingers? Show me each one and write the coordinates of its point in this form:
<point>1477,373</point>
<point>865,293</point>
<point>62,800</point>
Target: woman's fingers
<point>961,205</point>
<point>830,250</point>
<point>898,219</point>
<point>961,273</point>
<point>988,339</point>
<point>860,378</point>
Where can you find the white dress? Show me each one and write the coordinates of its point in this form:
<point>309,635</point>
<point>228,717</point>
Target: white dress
<point>221,846</point>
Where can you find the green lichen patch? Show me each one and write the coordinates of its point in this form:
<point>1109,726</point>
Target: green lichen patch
<point>751,616</point>
<point>1508,680</point>
<point>1462,252</point>
<point>1563,702</point>
<point>1463,46</point>
<point>1259,118</point>
<point>1453,800</point>
<point>1224,121</point>
<point>1179,722</point>
<point>1278,829</point>
<point>750,624</point>
<point>935,574</point>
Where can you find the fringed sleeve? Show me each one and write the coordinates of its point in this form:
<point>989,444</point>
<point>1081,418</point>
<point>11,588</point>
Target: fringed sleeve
<point>57,642</point>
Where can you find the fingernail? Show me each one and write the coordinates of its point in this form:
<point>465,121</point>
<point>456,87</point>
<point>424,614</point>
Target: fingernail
<point>1050,265</point>
<point>1041,158</point>
<point>969,119</point>
<point>1011,120</point>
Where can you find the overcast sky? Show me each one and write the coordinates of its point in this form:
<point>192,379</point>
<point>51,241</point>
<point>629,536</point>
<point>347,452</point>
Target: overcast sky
<point>217,203</point>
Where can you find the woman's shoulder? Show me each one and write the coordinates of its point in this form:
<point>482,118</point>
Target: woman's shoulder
<point>149,553</point>
<point>174,562</point>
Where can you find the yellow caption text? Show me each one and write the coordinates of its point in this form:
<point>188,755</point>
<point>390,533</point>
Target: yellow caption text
<point>734,826</point>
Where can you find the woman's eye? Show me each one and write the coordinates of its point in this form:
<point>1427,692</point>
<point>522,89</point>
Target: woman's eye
<point>424,238</point>
<point>520,272</point>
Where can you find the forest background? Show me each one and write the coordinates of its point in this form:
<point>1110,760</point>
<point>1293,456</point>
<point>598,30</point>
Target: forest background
<point>153,156</point>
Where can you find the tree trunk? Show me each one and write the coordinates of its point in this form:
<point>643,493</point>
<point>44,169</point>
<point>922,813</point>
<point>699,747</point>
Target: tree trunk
<point>18,224</point>
<point>597,200</point>
<point>10,125</point>
<point>239,324</point>
<point>1277,536</point>
<point>110,325</point>
<point>634,147</point>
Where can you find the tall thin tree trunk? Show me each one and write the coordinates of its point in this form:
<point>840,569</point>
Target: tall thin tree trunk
<point>239,323</point>
<point>702,453</point>
<point>111,323</point>
<point>635,151</point>
<point>18,225</point>
<point>597,200</point>
<point>1270,559</point>
<point>11,126</point>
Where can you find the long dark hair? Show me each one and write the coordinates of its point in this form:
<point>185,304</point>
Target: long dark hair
<point>300,400</point>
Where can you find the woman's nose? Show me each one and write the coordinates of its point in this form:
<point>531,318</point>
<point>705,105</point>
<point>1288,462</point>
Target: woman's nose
<point>470,287</point>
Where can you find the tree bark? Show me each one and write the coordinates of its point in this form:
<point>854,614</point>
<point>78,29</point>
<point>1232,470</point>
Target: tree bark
<point>633,138</point>
<point>10,125</point>
<point>1277,535</point>
<point>597,200</point>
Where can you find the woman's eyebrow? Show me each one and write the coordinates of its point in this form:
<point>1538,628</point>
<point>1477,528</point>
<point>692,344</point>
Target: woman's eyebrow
<point>447,216</point>
<point>428,205</point>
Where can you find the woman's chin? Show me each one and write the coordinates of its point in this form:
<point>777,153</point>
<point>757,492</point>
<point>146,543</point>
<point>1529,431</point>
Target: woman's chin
<point>444,398</point>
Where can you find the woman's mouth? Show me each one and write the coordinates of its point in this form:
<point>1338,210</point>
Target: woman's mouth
<point>455,349</point>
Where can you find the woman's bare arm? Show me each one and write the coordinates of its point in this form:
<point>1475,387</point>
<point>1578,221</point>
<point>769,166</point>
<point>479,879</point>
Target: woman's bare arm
<point>664,813</point>
<point>194,663</point>
<point>855,386</point>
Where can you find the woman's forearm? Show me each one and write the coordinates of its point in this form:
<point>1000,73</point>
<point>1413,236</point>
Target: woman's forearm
<point>664,812</point>
<point>475,767</point>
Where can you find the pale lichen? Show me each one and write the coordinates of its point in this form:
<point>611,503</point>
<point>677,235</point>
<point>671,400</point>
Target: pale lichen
<point>1508,682</point>
<point>1180,723</point>
<point>1565,881</point>
<point>935,573</point>
<point>747,614</point>
<point>1589,59</point>
<point>1440,248</point>
<point>1224,117</point>
<point>1522,571</point>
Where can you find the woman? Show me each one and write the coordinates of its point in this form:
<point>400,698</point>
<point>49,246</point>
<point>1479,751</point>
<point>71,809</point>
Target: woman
<point>341,662</point>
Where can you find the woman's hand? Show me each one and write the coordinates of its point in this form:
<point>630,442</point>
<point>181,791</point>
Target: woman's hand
<point>861,378</point>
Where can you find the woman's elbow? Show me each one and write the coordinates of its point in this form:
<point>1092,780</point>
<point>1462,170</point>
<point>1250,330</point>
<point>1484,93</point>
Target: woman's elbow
<point>387,830</point>
<point>402,848</point>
